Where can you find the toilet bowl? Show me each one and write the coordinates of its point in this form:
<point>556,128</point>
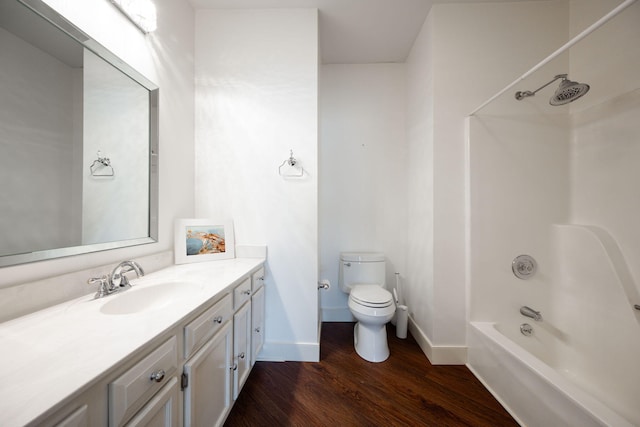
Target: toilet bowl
<point>362,275</point>
<point>370,333</point>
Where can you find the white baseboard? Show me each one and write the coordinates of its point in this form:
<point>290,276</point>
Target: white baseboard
<point>290,352</point>
<point>438,355</point>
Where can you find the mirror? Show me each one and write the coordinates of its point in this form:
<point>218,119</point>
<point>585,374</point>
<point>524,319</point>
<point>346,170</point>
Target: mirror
<point>78,141</point>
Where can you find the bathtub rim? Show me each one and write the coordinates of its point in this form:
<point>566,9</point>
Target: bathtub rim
<point>596,409</point>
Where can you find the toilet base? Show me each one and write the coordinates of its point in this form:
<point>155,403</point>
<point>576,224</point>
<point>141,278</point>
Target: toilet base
<point>370,342</point>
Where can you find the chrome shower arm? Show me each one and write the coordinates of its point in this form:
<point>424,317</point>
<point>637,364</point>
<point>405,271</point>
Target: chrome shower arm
<point>521,95</point>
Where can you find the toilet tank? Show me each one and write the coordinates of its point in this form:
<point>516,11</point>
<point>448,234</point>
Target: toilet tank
<point>361,268</point>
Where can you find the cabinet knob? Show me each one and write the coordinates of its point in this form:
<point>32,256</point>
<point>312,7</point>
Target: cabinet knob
<point>241,355</point>
<point>157,376</point>
<point>247,292</point>
<point>234,367</point>
<point>218,320</point>
<point>257,329</point>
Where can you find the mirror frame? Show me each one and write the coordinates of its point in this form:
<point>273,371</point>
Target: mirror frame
<point>46,12</point>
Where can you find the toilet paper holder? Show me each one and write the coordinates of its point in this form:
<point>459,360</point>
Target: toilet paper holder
<point>324,284</point>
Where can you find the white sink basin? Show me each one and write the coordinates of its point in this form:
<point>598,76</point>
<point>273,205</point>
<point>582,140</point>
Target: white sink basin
<point>152,297</point>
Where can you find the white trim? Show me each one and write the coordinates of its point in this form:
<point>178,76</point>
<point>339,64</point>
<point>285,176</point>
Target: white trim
<point>290,352</point>
<point>438,355</point>
<point>467,222</point>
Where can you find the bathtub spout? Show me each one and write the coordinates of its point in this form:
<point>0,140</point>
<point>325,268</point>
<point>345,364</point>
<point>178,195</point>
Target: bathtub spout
<point>529,312</point>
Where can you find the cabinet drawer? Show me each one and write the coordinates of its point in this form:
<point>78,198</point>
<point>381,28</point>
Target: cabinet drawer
<point>131,390</point>
<point>79,418</point>
<point>206,325</point>
<point>257,280</point>
<point>242,293</point>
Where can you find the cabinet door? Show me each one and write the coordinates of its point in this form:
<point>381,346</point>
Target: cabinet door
<point>207,396</point>
<point>257,323</point>
<point>241,347</point>
<point>162,409</point>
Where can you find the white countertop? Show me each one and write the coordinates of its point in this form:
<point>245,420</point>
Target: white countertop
<point>47,356</point>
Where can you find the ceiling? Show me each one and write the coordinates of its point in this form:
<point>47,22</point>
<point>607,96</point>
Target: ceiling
<point>354,31</point>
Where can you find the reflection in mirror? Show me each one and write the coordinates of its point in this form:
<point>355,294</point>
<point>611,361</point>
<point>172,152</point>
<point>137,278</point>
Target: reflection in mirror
<point>78,141</point>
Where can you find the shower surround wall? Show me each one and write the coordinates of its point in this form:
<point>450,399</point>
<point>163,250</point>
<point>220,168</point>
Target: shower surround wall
<point>558,183</point>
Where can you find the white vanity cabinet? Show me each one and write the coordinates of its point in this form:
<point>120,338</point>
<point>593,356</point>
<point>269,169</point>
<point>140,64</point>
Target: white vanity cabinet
<point>187,372</point>
<point>241,334</point>
<point>241,347</point>
<point>257,313</point>
<point>132,393</point>
<point>78,418</point>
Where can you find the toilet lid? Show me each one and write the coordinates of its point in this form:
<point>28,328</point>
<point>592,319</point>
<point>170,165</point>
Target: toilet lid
<point>371,296</point>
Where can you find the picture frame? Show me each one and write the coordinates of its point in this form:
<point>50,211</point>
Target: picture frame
<point>203,239</point>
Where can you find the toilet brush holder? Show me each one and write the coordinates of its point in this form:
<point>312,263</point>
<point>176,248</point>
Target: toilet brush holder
<point>402,319</point>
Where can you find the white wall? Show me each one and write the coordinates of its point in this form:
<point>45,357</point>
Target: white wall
<point>418,284</point>
<point>464,54</point>
<point>256,98</point>
<point>165,57</point>
<point>362,188</point>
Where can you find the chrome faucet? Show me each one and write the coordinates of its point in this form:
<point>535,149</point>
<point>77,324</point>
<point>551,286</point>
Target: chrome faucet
<point>529,312</point>
<point>117,275</point>
<point>116,281</point>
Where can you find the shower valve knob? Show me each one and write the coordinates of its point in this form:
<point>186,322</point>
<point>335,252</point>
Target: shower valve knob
<point>524,266</point>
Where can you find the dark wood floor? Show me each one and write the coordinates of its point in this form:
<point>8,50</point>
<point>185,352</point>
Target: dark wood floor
<point>345,390</point>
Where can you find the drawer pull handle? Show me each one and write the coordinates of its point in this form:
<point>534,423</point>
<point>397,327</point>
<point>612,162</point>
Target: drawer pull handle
<point>247,292</point>
<point>157,376</point>
<point>234,367</point>
<point>241,355</point>
<point>218,320</point>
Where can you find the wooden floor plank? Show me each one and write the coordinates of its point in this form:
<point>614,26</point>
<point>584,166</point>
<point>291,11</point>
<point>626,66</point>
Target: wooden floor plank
<point>345,390</point>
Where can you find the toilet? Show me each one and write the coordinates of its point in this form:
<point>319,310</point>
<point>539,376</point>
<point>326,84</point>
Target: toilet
<point>362,276</point>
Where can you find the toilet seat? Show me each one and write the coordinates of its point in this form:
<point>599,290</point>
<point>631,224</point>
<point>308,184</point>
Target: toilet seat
<point>372,296</point>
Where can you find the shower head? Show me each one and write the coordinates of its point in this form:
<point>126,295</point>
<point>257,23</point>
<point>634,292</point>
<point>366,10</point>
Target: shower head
<point>567,92</point>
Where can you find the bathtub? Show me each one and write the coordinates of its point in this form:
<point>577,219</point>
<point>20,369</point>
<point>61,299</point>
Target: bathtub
<point>534,393</point>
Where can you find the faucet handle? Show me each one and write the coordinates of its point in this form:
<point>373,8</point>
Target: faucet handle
<point>103,289</point>
<point>94,280</point>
